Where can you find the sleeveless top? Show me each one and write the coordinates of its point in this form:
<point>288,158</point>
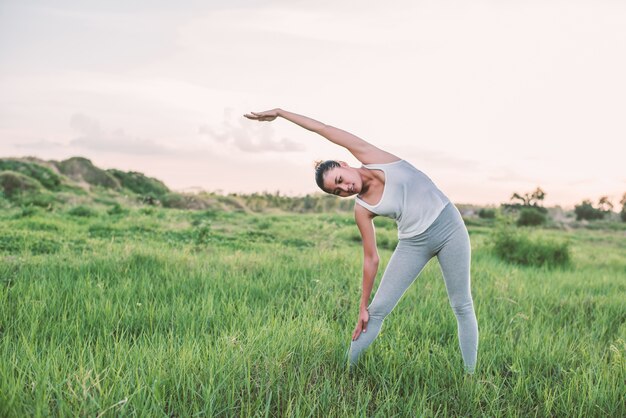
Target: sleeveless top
<point>409,197</point>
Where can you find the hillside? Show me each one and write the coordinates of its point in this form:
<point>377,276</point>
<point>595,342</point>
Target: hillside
<point>30,181</point>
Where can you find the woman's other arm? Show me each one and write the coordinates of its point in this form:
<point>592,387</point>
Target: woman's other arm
<point>365,152</point>
<point>363,219</point>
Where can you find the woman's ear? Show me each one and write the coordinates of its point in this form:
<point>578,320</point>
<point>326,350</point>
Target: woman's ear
<point>343,163</point>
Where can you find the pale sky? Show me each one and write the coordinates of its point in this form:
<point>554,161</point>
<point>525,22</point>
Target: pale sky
<point>486,97</point>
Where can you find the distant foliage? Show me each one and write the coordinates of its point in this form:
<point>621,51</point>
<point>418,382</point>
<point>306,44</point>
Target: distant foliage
<point>117,209</point>
<point>487,213</point>
<point>317,203</point>
<point>82,211</point>
<point>531,217</point>
<point>586,211</point>
<point>13,183</point>
<point>43,199</point>
<point>82,169</point>
<point>16,242</point>
<point>622,214</point>
<point>516,246</point>
<point>530,199</point>
<point>28,211</point>
<point>140,183</point>
<point>45,176</point>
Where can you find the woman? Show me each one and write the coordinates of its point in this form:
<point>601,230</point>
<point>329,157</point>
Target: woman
<point>428,225</point>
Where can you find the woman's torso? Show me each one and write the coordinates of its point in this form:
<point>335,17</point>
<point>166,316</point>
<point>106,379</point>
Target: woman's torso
<point>407,195</point>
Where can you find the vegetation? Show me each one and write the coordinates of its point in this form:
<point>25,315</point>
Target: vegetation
<point>43,175</point>
<point>516,246</point>
<point>587,212</point>
<point>531,217</point>
<point>111,307</point>
<point>487,213</point>
<point>532,199</point>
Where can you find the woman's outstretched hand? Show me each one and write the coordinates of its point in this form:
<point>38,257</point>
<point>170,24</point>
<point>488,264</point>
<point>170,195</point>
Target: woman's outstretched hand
<point>361,325</point>
<point>267,116</point>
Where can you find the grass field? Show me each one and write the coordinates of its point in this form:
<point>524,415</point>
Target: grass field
<point>164,312</point>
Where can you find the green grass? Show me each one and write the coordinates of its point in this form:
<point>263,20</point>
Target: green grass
<point>178,313</point>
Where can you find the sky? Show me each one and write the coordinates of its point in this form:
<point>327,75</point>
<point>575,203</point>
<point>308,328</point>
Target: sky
<point>486,97</point>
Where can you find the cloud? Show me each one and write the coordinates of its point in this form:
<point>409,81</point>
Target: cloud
<point>506,174</point>
<point>93,137</point>
<point>442,158</point>
<point>41,144</point>
<point>249,136</point>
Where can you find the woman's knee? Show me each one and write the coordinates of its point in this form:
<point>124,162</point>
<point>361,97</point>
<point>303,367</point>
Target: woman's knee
<point>463,309</point>
<point>377,311</point>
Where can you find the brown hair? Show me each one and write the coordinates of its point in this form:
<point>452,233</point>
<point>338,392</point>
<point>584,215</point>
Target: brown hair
<point>321,167</point>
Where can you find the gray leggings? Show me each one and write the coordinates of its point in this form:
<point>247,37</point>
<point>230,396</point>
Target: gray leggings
<point>446,238</point>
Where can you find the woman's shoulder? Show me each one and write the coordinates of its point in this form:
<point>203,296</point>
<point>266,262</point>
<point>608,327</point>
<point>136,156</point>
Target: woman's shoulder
<point>378,156</point>
<point>383,164</point>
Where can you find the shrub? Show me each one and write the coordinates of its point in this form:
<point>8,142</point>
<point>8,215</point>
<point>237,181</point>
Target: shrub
<point>531,217</point>
<point>81,210</point>
<point>28,211</point>
<point>17,242</point>
<point>82,169</point>
<point>117,209</point>
<point>45,176</point>
<point>622,214</point>
<point>487,213</point>
<point>43,200</point>
<point>140,183</point>
<point>43,245</point>
<point>13,183</point>
<point>586,211</point>
<point>173,201</point>
<point>515,246</point>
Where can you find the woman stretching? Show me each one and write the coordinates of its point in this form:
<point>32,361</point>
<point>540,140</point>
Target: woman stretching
<point>428,225</point>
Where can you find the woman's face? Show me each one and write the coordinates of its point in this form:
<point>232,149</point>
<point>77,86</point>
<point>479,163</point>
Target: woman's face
<point>343,181</point>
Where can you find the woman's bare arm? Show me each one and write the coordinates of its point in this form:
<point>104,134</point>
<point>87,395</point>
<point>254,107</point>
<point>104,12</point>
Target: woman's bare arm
<point>361,149</point>
<point>363,219</point>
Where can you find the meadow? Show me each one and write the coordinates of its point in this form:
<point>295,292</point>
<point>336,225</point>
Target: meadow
<point>148,311</point>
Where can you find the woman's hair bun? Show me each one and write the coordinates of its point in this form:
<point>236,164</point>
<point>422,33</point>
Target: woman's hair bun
<point>317,164</point>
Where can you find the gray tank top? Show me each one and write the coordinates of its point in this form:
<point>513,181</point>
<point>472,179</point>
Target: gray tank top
<point>409,196</point>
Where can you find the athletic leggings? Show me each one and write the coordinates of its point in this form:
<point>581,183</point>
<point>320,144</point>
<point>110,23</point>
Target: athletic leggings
<point>446,238</point>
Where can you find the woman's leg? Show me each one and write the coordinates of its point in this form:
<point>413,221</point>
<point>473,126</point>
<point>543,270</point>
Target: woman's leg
<point>405,264</point>
<point>454,260</point>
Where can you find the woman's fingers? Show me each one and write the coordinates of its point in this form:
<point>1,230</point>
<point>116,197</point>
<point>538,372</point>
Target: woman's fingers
<point>261,116</point>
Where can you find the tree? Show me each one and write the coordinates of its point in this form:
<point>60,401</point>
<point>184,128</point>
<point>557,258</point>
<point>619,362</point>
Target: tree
<point>604,204</point>
<point>530,199</point>
<point>586,211</point>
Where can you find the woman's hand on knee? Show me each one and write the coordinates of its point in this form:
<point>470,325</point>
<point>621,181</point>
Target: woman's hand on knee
<point>361,325</point>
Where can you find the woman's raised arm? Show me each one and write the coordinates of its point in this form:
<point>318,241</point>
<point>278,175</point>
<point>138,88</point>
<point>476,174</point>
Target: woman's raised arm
<point>361,149</point>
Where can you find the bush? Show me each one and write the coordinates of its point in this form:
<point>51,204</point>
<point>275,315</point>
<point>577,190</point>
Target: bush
<point>45,176</point>
<point>515,246</point>
<point>623,214</point>
<point>13,183</point>
<point>17,242</point>
<point>81,210</point>
<point>79,168</point>
<point>487,213</point>
<point>586,211</point>
<point>44,200</point>
<point>117,209</point>
<point>531,217</point>
<point>140,183</point>
<point>28,211</point>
